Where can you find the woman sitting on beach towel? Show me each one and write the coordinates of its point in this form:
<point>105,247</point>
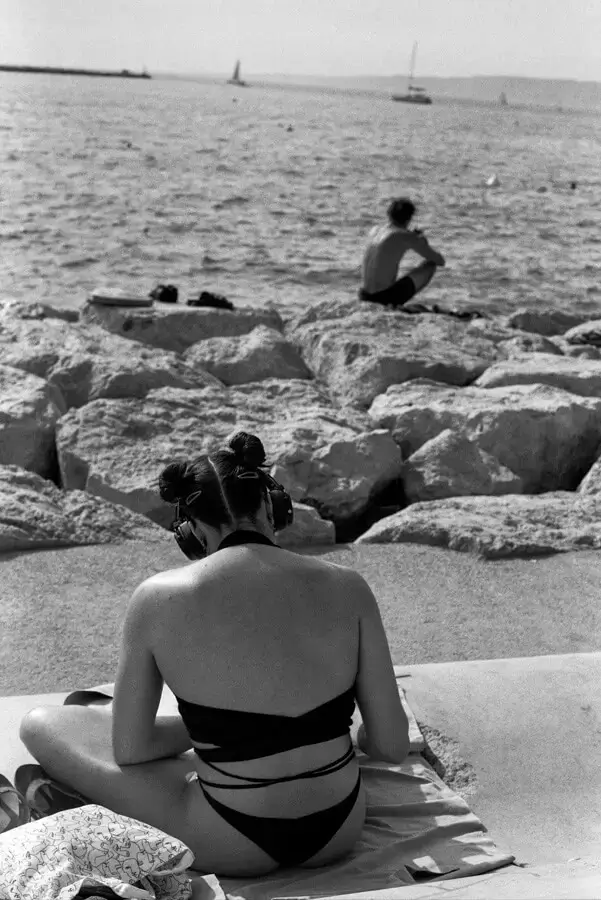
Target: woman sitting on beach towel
<point>266,651</point>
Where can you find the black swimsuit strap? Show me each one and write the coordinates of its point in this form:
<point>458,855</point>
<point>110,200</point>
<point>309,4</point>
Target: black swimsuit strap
<point>328,769</point>
<point>243,536</point>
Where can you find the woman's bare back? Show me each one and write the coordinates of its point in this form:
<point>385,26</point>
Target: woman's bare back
<point>258,629</point>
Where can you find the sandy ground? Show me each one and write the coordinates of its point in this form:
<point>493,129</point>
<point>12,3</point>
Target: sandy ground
<point>61,610</point>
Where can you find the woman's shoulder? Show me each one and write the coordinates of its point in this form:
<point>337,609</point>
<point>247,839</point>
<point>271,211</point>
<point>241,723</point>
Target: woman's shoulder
<point>330,569</point>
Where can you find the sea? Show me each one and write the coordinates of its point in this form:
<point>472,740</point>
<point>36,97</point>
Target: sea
<point>267,194</point>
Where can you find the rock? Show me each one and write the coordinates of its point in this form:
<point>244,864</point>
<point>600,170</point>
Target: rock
<point>545,435</point>
<point>497,527</point>
<point>178,327</point>
<point>341,476</point>
<point>29,411</point>
<point>117,448</point>
<point>23,309</point>
<point>579,376</point>
<point>544,321</point>
<point>527,343</point>
<point>307,530</point>
<point>578,351</point>
<point>358,355</point>
<point>263,353</point>
<point>493,330</point>
<point>451,465</point>
<point>35,514</point>
<point>587,333</point>
<point>86,362</point>
<point>591,483</point>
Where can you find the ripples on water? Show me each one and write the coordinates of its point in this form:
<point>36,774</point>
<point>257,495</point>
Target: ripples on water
<point>127,183</point>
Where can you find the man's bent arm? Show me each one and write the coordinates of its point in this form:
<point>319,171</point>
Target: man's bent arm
<point>419,244</point>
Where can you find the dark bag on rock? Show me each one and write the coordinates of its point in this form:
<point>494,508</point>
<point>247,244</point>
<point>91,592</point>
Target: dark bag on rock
<point>164,293</point>
<point>218,301</point>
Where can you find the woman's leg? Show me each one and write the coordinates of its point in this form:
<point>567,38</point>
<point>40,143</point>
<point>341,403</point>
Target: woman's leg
<point>73,745</point>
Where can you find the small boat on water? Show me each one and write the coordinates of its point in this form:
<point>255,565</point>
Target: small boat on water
<point>235,79</point>
<point>414,94</point>
<point>503,99</point>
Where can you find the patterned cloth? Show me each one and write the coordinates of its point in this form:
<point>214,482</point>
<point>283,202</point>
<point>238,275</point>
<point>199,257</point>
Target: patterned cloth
<point>56,857</point>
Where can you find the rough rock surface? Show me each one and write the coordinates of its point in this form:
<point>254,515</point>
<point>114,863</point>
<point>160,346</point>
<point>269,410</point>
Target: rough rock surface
<point>587,333</point>
<point>86,362</point>
<point>528,343</point>
<point>308,529</point>
<point>581,351</point>
<point>178,327</point>
<point>591,483</point>
<point>359,352</point>
<point>263,353</point>
<point>29,411</point>
<point>452,465</point>
<point>326,458</point>
<point>35,514</point>
<point>544,321</point>
<point>545,435</point>
<point>579,376</point>
<point>497,527</point>
<point>23,309</point>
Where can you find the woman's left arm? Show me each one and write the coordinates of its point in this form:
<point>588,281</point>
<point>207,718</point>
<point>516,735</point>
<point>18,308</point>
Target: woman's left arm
<point>137,734</point>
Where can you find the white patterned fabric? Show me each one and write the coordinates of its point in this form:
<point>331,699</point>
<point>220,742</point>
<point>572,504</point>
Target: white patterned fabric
<point>53,858</point>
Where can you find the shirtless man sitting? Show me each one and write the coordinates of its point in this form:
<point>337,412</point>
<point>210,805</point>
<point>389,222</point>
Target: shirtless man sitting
<point>387,246</point>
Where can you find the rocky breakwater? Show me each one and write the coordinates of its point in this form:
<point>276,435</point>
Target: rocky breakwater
<point>479,435</point>
<point>100,402</point>
<point>498,421</point>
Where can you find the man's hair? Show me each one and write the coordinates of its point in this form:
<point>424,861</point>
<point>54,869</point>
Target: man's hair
<point>400,211</point>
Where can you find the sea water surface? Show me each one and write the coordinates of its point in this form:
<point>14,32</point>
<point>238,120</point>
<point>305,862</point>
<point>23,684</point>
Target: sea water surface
<point>267,194</point>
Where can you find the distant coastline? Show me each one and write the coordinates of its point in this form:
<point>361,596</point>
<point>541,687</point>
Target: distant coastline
<point>52,70</point>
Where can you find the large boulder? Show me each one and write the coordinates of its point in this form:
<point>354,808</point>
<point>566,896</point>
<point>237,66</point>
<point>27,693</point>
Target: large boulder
<point>359,352</point>
<point>178,327</point>
<point>260,354</point>
<point>35,514</point>
<point>546,436</point>
<point>307,530</point>
<point>29,411</point>
<point>544,321</point>
<point>497,527</point>
<point>579,376</point>
<point>452,465</point>
<point>86,362</point>
<point>327,459</point>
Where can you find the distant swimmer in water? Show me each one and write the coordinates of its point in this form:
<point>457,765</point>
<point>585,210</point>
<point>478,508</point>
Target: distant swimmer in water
<point>385,250</point>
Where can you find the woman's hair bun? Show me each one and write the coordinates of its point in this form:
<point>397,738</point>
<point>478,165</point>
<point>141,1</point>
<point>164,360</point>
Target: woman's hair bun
<point>172,482</point>
<point>248,449</point>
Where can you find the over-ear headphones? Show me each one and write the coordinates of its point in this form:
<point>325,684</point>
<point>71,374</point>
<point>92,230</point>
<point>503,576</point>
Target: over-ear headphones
<point>283,515</point>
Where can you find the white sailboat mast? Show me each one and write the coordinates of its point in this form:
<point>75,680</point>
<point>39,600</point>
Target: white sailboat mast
<point>412,64</point>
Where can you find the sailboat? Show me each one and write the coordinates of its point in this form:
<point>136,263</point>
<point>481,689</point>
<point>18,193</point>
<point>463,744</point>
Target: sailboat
<point>503,99</point>
<point>235,79</point>
<point>414,94</point>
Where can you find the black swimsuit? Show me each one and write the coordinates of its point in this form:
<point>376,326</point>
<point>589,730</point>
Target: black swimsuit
<point>248,735</point>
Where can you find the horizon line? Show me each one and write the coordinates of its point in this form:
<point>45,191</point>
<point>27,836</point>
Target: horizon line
<point>248,74</point>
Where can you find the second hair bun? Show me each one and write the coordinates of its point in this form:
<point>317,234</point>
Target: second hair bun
<point>248,448</point>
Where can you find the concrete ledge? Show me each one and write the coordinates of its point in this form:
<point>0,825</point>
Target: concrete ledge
<point>530,728</point>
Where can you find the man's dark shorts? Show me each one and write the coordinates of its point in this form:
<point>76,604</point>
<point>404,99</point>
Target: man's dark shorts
<point>396,295</point>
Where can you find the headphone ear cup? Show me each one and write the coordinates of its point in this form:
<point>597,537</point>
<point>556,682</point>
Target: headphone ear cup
<point>187,541</point>
<point>283,512</point>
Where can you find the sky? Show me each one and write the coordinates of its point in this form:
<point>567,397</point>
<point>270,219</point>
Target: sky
<point>532,38</point>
